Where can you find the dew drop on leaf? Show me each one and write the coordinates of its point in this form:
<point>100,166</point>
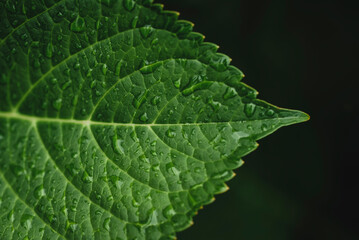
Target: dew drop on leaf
<point>72,169</point>
<point>249,109</point>
<point>66,85</point>
<point>57,103</point>
<point>39,192</point>
<point>26,220</point>
<point>171,133</point>
<point>146,31</point>
<point>170,168</point>
<point>134,22</point>
<point>117,145</point>
<point>37,63</point>
<point>230,93</point>
<point>86,178</point>
<point>144,117</point>
<point>118,68</point>
<point>220,62</point>
<point>17,170</point>
<point>77,66</point>
<point>78,25</point>
<point>106,224</point>
<point>53,81</point>
<point>177,83</point>
<point>104,69</point>
<point>49,50</point>
<point>214,104</point>
<point>156,100</point>
<point>154,42</point>
<point>270,112</point>
<point>93,84</point>
<point>129,4</point>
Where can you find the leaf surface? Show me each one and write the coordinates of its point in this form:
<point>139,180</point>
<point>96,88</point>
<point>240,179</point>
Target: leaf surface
<point>116,120</point>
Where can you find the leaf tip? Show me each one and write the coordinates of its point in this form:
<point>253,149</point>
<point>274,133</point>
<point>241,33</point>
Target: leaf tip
<point>302,116</point>
<point>293,117</point>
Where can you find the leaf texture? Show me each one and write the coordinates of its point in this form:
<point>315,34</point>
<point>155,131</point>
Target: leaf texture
<point>116,120</point>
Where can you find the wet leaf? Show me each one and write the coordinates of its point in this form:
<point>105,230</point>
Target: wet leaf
<point>116,120</point>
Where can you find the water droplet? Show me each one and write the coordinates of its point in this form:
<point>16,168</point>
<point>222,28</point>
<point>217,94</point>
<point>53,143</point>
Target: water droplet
<point>104,69</point>
<point>86,178</point>
<point>150,68</point>
<point>223,175</point>
<point>59,14</point>
<point>11,216</point>
<point>66,85</point>
<point>170,168</point>
<point>118,68</point>
<point>220,62</point>
<point>139,99</point>
<point>78,25</point>
<point>72,169</point>
<point>26,220</point>
<point>146,31</point>
<point>24,36</point>
<point>77,66</point>
<point>117,145</point>
<point>177,83</point>
<point>154,42</point>
<point>156,100</point>
<point>72,226</point>
<point>57,103</point>
<point>249,109</point>
<point>154,143</point>
<point>73,208</point>
<point>17,170</point>
<point>53,81</point>
<point>171,133</point>
<point>144,117</point>
<point>230,93</point>
<point>116,181</point>
<point>67,72</point>
<point>270,113</point>
<point>36,63</point>
<point>106,224</point>
<point>169,212</point>
<point>135,203</point>
<point>89,72</point>
<point>134,22</point>
<point>93,84</point>
<point>129,4</point>
<point>264,127</point>
<point>215,105</point>
<point>49,50</point>
<point>39,192</point>
<point>197,170</point>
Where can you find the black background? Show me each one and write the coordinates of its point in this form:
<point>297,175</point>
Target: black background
<point>301,183</point>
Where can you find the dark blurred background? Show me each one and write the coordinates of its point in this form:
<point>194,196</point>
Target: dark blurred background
<point>301,183</point>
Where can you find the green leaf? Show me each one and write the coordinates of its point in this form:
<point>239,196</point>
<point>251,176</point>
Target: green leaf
<point>116,120</point>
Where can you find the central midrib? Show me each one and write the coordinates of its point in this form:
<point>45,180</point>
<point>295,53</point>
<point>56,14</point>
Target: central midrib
<point>35,119</point>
